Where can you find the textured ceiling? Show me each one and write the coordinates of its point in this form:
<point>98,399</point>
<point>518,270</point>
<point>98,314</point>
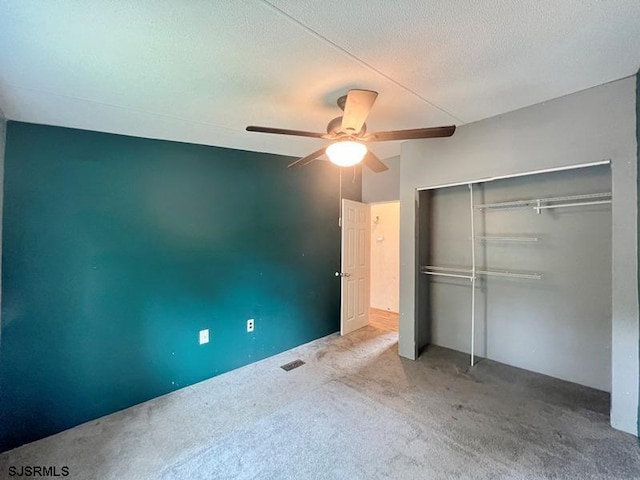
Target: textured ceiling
<point>200,71</point>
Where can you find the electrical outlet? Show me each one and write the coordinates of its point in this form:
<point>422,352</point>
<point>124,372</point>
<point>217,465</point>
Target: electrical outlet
<point>204,336</point>
<point>250,325</point>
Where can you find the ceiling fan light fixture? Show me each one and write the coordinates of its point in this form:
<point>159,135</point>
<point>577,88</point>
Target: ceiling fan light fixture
<point>347,129</point>
<point>346,153</point>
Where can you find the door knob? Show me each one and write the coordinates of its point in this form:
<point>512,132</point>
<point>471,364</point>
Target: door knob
<point>340,274</point>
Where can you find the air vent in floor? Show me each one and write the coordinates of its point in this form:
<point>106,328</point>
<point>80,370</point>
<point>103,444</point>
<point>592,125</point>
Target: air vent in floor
<point>291,365</point>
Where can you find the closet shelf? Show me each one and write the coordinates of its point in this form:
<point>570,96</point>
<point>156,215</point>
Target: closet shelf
<point>507,239</point>
<point>505,273</point>
<point>539,204</point>
<point>468,273</point>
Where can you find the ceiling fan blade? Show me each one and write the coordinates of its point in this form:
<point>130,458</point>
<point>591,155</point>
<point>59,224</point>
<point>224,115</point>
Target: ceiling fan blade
<point>433,132</point>
<point>284,131</point>
<point>356,109</point>
<point>308,159</point>
<point>374,163</point>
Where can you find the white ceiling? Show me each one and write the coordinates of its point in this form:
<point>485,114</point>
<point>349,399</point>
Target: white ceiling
<point>200,71</point>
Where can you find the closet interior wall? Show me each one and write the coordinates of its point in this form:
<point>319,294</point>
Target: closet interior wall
<point>558,324</point>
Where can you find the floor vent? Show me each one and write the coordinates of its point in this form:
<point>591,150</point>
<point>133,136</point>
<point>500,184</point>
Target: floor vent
<point>291,365</point>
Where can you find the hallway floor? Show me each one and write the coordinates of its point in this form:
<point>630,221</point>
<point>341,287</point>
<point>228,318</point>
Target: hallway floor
<point>383,320</point>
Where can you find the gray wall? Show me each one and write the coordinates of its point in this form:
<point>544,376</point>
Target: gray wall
<point>588,126</point>
<point>638,176</point>
<point>3,136</point>
<point>384,186</point>
<point>560,325</point>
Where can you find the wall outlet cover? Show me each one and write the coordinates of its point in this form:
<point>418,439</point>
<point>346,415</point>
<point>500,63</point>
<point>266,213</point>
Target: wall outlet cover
<point>250,325</point>
<point>204,336</point>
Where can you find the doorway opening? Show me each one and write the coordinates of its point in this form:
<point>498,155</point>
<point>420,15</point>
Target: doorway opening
<point>385,265</point>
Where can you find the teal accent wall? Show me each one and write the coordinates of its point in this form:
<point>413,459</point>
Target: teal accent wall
<point>118,250</point>
<point>3,132</point>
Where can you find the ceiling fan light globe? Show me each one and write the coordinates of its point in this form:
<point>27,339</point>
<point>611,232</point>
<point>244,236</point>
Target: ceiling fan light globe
<point>346,153</point>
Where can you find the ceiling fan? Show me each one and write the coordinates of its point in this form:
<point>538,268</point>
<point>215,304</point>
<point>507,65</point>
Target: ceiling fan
<point>349,133</point>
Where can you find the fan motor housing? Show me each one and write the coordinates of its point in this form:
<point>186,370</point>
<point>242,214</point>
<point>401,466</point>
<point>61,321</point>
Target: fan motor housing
<point>334,127</point>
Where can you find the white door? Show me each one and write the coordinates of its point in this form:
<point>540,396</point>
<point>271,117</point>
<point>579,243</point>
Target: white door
<point>356,248</point>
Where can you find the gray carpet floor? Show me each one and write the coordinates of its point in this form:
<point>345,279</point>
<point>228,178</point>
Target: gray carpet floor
<point>355,410</point>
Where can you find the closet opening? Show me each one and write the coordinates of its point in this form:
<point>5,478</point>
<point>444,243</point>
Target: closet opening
<point>518,271</point>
